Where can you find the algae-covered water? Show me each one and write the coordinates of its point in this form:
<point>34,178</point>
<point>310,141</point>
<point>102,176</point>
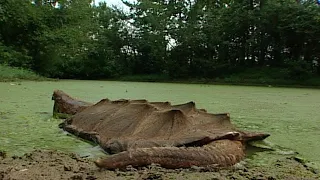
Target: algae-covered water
<point>291,116</point>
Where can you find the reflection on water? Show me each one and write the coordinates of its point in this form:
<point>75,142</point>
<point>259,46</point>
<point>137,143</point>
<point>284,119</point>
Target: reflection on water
<point>290,115</point>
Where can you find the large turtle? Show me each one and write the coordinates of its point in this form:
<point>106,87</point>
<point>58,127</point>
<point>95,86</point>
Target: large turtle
<point>139,132</point>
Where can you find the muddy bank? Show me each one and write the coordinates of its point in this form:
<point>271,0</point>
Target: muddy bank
<point>43,164</point>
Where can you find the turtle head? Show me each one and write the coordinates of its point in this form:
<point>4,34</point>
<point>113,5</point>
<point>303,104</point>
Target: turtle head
<point>252,136</point>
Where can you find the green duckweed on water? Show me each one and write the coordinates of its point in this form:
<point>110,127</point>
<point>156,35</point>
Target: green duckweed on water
<point>290,115</point>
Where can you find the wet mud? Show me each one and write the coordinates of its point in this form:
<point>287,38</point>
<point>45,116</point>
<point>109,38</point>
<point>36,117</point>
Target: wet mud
<point>54,165</point>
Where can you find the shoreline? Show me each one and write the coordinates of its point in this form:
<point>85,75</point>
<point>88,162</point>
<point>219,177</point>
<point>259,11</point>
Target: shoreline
<point>199,82</point>
<point>52,164</point>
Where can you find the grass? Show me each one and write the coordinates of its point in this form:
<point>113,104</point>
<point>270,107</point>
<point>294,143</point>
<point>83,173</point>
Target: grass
<point>8,73</point>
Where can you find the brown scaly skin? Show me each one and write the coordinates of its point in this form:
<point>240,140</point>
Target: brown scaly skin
<point>223,149</point>
<point>221,153</point>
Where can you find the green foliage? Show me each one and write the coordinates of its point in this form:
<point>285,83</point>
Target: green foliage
<point>13,58</point>
<point>173,39</point>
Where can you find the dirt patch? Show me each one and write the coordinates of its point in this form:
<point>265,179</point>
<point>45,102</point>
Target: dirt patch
<point>52,165</point>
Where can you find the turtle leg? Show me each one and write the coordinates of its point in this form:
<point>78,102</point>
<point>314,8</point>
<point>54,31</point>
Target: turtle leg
<point>220,153</point>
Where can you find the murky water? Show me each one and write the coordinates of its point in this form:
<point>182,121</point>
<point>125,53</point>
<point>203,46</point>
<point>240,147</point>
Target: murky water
<point>291,116</point>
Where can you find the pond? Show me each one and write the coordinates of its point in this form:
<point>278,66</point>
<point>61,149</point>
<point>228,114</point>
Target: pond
<point>290,115</point>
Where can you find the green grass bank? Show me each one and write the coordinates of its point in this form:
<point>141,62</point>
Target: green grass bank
<point>247,77</point>
<point>8,73</point>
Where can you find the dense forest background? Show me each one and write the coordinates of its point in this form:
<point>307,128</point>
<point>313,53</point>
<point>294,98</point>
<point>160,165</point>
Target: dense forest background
<point>173,39</point>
